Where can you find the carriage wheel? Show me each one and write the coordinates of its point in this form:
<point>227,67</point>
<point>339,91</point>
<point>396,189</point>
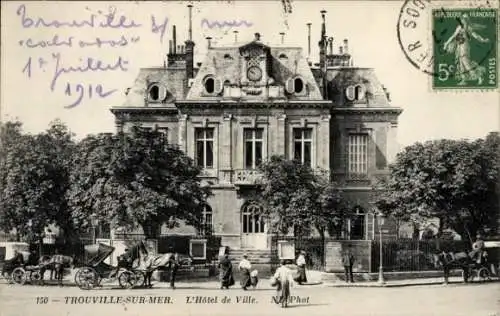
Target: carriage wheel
<point>139,278</point>
<point>86,278</point>
<point>127,279</point>
<point>19,276</point>
<point>35,277</point>
<point>483,274</point>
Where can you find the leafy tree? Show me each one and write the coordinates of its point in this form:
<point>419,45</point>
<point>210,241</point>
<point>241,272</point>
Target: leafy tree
<point>453,180</point>
<point>135,178</point>
<point>295,197</point>
<point>34,179</point>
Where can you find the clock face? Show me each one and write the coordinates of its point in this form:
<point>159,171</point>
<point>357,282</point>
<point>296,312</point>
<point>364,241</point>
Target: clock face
<point>254,73</point>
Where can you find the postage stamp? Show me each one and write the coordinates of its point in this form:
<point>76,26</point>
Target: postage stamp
<point>454,42</point>
<point>465,54</point>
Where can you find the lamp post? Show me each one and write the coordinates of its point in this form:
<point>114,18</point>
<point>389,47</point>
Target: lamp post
<point>94,221</point>
<point>380,221</point>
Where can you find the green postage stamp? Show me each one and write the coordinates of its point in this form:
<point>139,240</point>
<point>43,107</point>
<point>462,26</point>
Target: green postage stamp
<point>465,48</point>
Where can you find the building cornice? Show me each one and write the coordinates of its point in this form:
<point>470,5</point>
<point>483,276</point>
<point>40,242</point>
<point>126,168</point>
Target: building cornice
<point>258,104</point>
<point>367,110</point>
<point>144,110</point>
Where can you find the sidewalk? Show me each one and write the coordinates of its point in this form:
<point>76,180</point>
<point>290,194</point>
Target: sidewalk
<point>397,283</point>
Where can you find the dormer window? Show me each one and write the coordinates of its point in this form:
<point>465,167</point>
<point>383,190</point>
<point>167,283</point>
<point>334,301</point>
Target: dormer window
<point>210,85</point>
<point>283,56</point>
<point>355,93</point>
<point>296,86</point>
<point>156,92</point>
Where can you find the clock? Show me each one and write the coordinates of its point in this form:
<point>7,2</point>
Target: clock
<point>254,73</point>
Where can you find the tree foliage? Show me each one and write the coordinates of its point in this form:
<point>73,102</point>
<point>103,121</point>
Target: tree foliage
<point>135,178</point>
<point>34,178</point>
<point>297,198</point>
<point>453,180</point>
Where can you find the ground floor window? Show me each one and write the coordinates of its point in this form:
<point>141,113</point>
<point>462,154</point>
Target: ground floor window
<point>252,219</point>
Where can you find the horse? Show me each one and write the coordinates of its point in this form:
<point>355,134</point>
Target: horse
<point>150,263</point>
<point>458,260</point>
<point>56,265</point>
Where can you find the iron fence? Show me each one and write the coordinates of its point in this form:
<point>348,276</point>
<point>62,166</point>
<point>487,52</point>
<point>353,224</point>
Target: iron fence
<point>404,255</point>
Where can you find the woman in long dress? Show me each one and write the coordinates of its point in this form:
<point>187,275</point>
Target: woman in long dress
<point>459,44</point>
<point>245,268</point>
<point>301,265</point>
<point>282,279</point>
<point>226,272</point>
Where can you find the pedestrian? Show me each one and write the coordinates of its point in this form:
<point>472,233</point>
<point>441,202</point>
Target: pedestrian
<point>147,261</point>
<point>226,272</point>
<point>301,265</point>
<point>245,266</point>
<point>347,262</point>
<point>477,249</point>
<point>282,279</point>
<point>173,264</point>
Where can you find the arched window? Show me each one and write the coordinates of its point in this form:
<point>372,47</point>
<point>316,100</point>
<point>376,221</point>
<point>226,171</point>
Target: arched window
<point>207,224</point>
<point>154,93</point>
<point>359,92</point>
<point>210,85</point>
<point>298,85</point>
<point>252,219</point>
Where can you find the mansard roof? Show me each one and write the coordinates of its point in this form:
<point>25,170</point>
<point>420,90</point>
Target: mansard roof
<point>340,78</point>
<point>224,63</point>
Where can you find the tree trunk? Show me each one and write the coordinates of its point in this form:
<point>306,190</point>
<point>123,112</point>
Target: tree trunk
<point>416,232</point>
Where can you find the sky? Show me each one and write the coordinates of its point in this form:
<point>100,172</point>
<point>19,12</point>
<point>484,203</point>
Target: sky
<point>36,89</point>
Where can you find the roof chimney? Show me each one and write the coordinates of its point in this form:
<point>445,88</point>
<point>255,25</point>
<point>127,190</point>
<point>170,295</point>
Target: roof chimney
<point>235,36</point>
<point>330,42</point>
<point>209,39</point>
<point>170,46</point>
<point>340,50</point>
<point>257,37</point>
<point>174,35</point>
<point>309,40</point>
<point>323,26</point>
<point>190,6</point>
<point>282,37</point>
<point>346,47</point>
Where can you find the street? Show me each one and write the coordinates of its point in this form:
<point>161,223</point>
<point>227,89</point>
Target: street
<point>200,299</point>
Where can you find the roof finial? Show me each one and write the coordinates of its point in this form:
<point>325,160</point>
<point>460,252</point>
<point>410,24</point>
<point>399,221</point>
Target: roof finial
<point>309,40</point>
<point>190,6</point>
<point>323,26</point>
<point>209,39</point>
<point>282,37</point>
<point>235,36</point>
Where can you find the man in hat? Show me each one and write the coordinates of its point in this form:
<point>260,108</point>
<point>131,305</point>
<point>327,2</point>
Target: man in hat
<point>245,266</point>
<point>348,262</point>
<point>301,265</point>
<point>173,264</point>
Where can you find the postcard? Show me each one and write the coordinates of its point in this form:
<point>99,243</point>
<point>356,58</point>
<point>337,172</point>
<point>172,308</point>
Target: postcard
<point>249,157</point>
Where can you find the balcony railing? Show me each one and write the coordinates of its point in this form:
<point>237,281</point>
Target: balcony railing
<point>246,176</point>
<point>252,176</point>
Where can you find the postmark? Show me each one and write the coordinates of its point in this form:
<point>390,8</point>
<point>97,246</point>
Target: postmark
<point>455,43</point>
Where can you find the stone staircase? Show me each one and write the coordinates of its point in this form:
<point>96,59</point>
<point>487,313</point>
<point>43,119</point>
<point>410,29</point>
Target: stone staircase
<point>255,256</point>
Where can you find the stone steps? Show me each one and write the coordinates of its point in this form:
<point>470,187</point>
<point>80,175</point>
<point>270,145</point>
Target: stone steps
<point>254,255</point>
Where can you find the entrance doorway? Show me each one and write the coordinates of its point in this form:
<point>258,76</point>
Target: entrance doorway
<point>253,227</point>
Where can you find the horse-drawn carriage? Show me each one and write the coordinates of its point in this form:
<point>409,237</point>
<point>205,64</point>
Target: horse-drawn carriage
<point>94,270</point>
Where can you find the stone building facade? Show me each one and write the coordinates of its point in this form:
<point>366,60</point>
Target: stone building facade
<point>247,101</point>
